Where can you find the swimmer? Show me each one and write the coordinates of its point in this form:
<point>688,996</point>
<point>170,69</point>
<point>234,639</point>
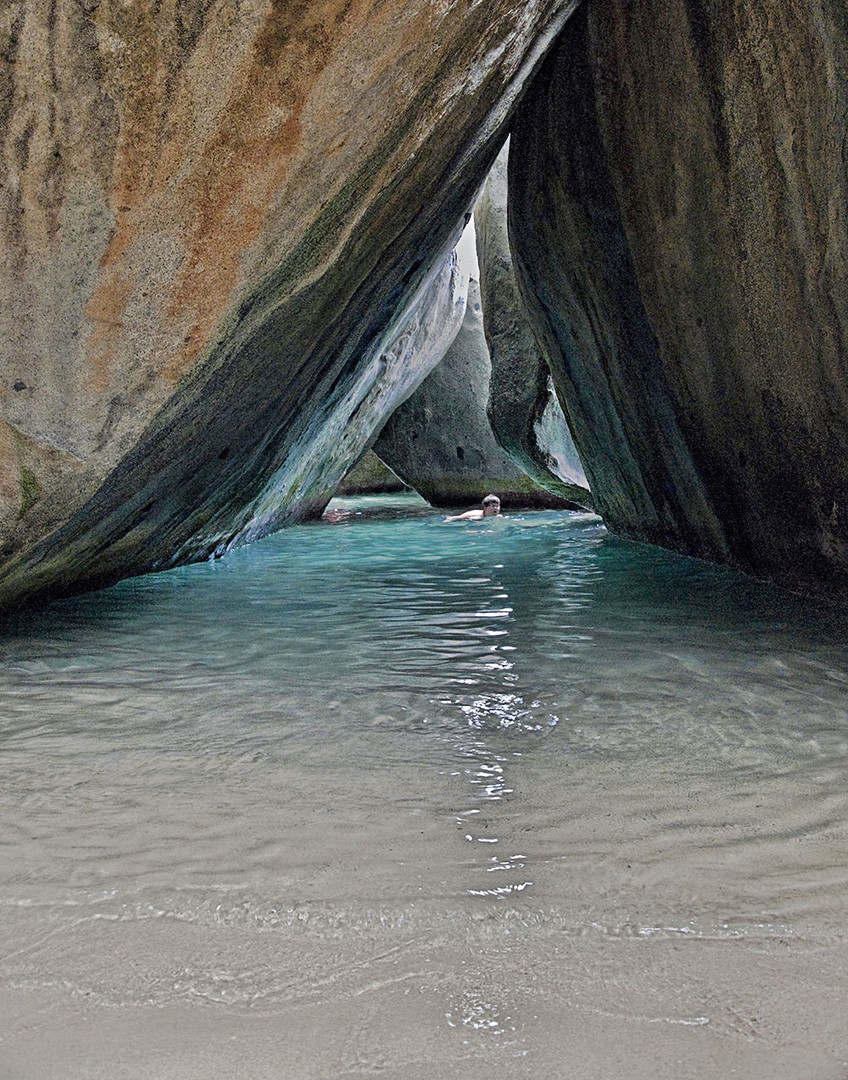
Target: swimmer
<point>491,507</point>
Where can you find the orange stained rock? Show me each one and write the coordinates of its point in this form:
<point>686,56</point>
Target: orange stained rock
<point>211,188</point>
<point>105,315</point>
<point>245,164</point>
<point>10,471</point>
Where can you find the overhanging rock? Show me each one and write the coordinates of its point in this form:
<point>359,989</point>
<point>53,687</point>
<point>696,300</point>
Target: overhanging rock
<point>524,411</point>
<point>679,219</point>
<point>440,441</point>
<point>211,216</point>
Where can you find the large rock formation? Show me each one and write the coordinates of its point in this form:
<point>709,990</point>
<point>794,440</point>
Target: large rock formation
<point>440,441</point>
<point>524,412</point>
<point>314,465</point>
<point>678,207</point>
<point>214,216</point>
<point>370,476</point>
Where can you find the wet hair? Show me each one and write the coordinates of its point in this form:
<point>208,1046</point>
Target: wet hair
<point>491,500</point>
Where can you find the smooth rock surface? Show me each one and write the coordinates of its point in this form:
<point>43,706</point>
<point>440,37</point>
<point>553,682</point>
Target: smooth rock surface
<point>524,412</point>
<point>213,217</point>
<point>440,441</point>
<point>370,476</point>
<point>678,207</point>
<point>316,464</point>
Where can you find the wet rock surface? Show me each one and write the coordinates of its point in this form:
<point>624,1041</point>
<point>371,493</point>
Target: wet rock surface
<point>213,218</point>
<point>678,204</point>
<point>524,412</point>
<point>370,476</point>
<point>440,442</point>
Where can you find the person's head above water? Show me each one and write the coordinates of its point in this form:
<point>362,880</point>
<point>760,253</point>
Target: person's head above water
<point>491,506</point>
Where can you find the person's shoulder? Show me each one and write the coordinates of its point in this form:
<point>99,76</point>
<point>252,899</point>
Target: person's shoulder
<point>469,515</point>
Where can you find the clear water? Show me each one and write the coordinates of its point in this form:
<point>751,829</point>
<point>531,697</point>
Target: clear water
<point>507,769</point>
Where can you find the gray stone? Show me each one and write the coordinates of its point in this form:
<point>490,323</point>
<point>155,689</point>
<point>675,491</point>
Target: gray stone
<point>440,441</point>
<point>412,346</point>
<point>370,476</point>
<point>678,209</point>
<point>524,412</point>
<point>211,217</point>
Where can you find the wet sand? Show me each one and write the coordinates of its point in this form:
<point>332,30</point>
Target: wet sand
<point>454,1007</point>
<point>522,802</point>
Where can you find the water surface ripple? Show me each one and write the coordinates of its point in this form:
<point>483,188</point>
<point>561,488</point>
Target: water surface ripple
<point>383,727</point>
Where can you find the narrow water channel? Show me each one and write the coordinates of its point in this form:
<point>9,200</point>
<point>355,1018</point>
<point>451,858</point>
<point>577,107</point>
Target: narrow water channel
<point>383,795</point>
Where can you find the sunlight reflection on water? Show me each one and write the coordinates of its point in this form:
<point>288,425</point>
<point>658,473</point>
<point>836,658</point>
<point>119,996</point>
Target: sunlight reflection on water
<point>382,721</point>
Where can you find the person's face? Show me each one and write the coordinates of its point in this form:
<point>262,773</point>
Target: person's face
<point>489,509</point>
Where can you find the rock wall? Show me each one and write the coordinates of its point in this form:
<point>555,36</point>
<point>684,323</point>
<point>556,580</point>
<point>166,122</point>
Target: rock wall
<point>315,465</point>
<point>440,441</point>
<point>369,476</point>
<point>678,209</point>
<point>524,412</point>
<point>213,214</point>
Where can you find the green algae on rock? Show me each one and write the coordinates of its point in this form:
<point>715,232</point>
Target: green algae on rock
<point>370,476</point>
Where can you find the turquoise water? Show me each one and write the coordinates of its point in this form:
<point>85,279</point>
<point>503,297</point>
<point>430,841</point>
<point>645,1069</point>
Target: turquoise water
<point>502,738</point>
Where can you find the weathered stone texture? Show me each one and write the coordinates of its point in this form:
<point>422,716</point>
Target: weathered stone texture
<point>440,441</point>
<point>314,467</point>
<point>678,208</point>
<point>212,213</point>
<point>370,476</point>
<point>524,412</point>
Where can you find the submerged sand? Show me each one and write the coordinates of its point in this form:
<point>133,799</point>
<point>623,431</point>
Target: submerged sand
<point>520,803</point>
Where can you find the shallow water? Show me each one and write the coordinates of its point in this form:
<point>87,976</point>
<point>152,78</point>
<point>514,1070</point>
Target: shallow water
<point>407,795</point>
